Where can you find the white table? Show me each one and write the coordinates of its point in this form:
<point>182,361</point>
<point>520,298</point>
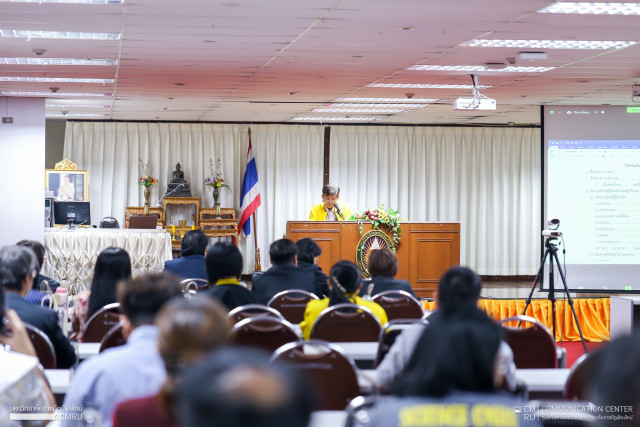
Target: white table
<point>328,418</point>
<point>86,350</point>
<point>360,351</point>
<point>72,254</point>
<point>543,380</point>
<point>59,379</point>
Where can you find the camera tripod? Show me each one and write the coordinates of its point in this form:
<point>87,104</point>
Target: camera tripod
<point>551,252</point>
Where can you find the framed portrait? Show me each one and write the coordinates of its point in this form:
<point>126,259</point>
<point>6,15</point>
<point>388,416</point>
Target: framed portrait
<point>68,185</point>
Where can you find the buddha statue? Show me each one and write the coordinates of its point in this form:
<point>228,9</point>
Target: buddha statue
<point>178,186</point>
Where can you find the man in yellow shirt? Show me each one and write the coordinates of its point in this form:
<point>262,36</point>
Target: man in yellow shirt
<point>329,209</point>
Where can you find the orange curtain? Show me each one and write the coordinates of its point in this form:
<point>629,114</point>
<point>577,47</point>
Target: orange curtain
<point>592,313</point>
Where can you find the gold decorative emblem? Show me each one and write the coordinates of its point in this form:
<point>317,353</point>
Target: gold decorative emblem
<point>66,165</point>
<point>372,239</point>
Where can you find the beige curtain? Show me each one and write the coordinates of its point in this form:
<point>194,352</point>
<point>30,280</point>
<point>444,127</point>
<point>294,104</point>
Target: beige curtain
<point>487,178</point>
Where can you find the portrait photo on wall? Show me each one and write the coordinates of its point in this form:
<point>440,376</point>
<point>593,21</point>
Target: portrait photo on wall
<point>68,186</point>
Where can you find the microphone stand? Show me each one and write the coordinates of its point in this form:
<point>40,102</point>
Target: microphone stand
<point>170,193</point>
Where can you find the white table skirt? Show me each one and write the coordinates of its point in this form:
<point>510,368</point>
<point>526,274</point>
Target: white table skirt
<point>72,254</point>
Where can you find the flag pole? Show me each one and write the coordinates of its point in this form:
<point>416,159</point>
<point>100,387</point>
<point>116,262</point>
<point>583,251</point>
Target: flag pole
<point>258,266</point>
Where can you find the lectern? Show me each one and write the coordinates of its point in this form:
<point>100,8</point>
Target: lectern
<point>426,249</point>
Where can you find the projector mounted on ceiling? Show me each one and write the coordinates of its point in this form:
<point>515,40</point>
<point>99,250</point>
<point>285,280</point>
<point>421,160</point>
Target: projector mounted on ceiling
<point>476,102</point>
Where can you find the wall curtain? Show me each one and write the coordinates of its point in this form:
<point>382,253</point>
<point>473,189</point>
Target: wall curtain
<point>486,178</point>
<point>288,158</point>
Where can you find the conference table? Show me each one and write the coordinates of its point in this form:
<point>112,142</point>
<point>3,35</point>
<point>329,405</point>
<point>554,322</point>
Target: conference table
<point>72,253</point>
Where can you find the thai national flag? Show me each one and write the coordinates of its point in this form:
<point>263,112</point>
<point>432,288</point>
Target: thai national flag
<point>250,196</point>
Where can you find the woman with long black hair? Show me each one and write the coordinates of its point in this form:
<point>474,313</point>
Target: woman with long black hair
<point>345,281</point>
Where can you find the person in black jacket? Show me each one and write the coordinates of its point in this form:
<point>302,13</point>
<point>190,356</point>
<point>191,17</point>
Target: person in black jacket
<point>224,266</point>
<point>18,269</point>
<point>190,265</point>
<point>284,273</point>
<point>383,266</point>
<point>308,254</point>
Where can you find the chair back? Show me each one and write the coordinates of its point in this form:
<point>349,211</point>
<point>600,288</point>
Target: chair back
<point>346,323</point>
<point>533,346</point>
<point>291,304</point>
<point>390,332</point>
<point>43,346</point>
<point>101,322</point>
<point>252,310</point>
<point>109,222</point>
<point>330,371</point>
<point>113,338</point>
<point>264,332</point>
<point>578,379</point>
<point>144,221</point>
<point>193,286</point>
<point>399,305</point>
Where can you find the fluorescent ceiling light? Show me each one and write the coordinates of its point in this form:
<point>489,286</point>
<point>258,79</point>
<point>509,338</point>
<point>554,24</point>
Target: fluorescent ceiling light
<point>54,80</point>
<point>476,68</point>
<point>379,105</point>
<point>75,115</point>
<point>70,35</point>
<point>358,110</point>
<point>425,100</point>
<point>336,119</point>
<point>418,86</point>
<point>593,8</point>
<point>67,1</point>
<point>48,94</point>
<point>52,106</point>
<point>57,61</point>
<point>549,44</point>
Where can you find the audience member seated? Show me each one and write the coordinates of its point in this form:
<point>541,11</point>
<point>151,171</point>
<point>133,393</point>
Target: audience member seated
<point>308,254</point>
<point>240,388</point>
<point>22,382</point>
<point>452,375</point>
<point>112,265</point>
<point>345,281</point>
<point>189,329</point>
<point>134,369</point>
<point>458,290</point>
<point>284,273</point>
<point>383,266</point>
<point>615,381</point>
<point>36,294</point>
<point>18,269</point>
<point>224,266</point>
<point>190,265</point>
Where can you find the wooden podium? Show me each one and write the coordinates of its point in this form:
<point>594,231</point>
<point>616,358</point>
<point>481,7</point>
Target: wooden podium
<point>426,249</point>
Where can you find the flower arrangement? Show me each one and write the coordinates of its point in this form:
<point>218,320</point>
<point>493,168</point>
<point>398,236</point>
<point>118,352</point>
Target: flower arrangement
<point>380,216</point>
<point>146,180</point>
<point>215,180</point>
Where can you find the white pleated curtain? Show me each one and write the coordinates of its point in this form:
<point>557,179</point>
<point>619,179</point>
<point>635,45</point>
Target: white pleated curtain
<point>288,158</point>
<point>486,178</point>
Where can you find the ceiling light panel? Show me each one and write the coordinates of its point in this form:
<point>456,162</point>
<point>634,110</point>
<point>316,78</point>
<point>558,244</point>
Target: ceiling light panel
<point>69,35</point>
<point>335,119</point>
<point>57,61</point>
<point>68,1</point>
<point>479,68</point>
<point>379,105</point>
<point>423,86</point>
<point>358,110</point>
<point>76,115</point>
<point>549,44</point>
<point>593,8</point>
<point>49,94</point>
<point>54,80</point>
<point>418,100</point>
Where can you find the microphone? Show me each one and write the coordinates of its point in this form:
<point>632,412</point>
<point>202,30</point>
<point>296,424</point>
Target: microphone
<point>338,211</point>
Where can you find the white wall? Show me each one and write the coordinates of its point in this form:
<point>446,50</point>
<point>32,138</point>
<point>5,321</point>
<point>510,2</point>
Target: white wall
<point>22,169</point>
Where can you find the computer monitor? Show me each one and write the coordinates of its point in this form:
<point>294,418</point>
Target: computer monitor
<point>76,213</point>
